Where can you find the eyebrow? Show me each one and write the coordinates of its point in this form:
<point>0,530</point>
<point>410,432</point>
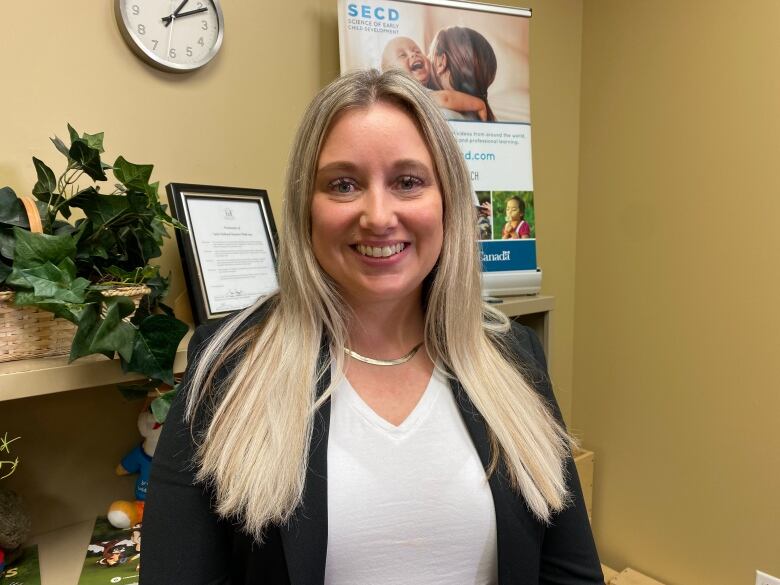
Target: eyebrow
<point>339,166</point>
<point>399,165</point>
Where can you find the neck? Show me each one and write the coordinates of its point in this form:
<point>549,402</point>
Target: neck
<point>445,80</point>
<point>386,329</point>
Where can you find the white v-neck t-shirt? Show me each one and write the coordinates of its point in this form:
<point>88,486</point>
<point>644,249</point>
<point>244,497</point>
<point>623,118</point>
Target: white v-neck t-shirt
<point>407,504</point>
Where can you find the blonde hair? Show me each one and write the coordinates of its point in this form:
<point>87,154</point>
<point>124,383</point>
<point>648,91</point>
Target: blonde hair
<point>255,448</point>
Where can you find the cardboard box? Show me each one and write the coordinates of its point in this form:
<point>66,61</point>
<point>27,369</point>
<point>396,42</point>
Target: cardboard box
<point>609,574</point>
<point>631,577</point>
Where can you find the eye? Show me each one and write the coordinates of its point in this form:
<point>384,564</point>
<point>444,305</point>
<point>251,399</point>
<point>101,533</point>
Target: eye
<point>409,183</point>
<point>342,186</point>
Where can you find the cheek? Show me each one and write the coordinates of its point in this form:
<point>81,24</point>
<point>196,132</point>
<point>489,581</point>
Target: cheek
<point>331,223</point>
<point>430,223</point>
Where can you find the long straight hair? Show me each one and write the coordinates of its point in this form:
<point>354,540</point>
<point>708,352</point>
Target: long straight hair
<point>254,446</point>
<point>471,61</point>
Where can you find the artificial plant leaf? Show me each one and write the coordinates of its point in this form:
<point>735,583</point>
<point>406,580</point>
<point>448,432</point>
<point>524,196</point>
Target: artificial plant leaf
<point>11,209</point>
<point>45,188</point>
<point>112,333</point>
<point>32,249</point>
<point>155,347</point>
<point>87,159</point>
<point>140,391</point>
<point>7,243</point>
<point>62,228</point>
<point>151,191</point>
<point>131,175</point>
<point>73,134</point>
<point>161,405</point>
<point>94,141</point>
<point>5,270</point>
<point>60,145</point>
<point>65,310</point>
<point>51,283</point>
<point>100,209</point>
<point>159,285</point>
<point>140,274</point>
<point>87,325</point>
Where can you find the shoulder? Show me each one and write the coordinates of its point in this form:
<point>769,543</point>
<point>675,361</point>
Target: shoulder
<point>528,348</point>
<point>529,355</point>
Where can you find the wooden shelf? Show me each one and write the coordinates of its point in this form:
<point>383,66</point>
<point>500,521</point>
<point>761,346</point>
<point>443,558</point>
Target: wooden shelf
<point>37,376</point>
<point>526,305</point>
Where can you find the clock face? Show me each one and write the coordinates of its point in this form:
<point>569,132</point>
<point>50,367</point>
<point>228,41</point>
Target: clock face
<point>173,35</point>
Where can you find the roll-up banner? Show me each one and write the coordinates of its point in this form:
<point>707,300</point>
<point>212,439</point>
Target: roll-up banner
<point>473,61</point>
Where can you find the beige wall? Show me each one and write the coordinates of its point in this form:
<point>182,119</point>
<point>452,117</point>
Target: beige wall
<point>674,371</point>
<point>677,315</point>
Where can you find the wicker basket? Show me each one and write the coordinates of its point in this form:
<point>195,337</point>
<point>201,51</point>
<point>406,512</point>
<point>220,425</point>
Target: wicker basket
<point>29,332</point>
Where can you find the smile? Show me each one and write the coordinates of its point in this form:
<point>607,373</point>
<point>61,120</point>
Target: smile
<point>380,252</point>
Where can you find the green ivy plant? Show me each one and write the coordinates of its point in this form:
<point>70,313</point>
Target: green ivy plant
<point>64,269</point>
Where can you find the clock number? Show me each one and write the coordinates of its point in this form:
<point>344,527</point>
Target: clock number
<point>200,41</point>
<point>154,48</point>
<point>204,25</point>
<point>189,51</point>
<point>172,53</point>
<point>141,29</point>
<point>136,10</point>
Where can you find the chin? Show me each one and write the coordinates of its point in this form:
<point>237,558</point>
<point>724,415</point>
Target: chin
<point>423,76</point>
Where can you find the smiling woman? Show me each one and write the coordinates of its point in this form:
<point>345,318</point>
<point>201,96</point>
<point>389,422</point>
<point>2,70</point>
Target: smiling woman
<point>373,421</point>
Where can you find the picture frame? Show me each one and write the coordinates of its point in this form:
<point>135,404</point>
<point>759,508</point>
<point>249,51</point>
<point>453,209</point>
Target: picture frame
<point>229,251</point>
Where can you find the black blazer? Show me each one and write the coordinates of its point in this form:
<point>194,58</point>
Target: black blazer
<point>185,542</point>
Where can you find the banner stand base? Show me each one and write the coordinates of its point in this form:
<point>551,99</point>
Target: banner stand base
<point>512,282</point>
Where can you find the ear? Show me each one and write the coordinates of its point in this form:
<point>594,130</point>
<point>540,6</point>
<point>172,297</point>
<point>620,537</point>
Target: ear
<point>440,63</point>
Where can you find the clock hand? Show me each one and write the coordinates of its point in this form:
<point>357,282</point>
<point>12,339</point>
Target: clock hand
<point>167,19</point>
<point>170,34</point>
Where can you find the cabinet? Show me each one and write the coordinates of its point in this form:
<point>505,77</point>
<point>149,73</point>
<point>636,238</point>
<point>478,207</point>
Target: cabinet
<point>75,427</point>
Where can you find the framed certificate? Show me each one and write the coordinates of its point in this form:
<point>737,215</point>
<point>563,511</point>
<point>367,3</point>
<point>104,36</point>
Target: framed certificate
<point>229,250</point>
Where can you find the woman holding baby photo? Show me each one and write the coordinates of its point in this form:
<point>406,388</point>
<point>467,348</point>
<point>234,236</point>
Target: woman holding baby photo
<point>458,70</point>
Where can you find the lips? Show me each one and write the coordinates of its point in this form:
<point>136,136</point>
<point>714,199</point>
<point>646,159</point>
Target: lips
<point>417,64</point>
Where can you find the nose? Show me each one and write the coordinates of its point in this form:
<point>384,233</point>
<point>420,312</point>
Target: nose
<point>378,214</point>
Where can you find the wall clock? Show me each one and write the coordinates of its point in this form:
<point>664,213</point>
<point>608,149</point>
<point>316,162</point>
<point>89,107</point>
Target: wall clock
<point>172,35</point>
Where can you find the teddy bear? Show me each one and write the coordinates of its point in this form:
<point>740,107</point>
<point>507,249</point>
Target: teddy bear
<point>122,513</point>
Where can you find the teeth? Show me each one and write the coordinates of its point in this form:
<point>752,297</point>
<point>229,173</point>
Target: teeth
<point>376,252</point>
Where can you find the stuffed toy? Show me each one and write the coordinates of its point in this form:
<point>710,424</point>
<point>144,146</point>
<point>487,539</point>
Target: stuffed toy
<point>14,527</point>
<point>124,514</point>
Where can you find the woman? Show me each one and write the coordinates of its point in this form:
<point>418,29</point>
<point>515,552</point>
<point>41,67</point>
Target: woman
<point>464,61</point>
<point>342,430</point>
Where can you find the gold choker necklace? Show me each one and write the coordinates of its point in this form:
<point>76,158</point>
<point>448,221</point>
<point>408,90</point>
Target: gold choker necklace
<point>375,362</point>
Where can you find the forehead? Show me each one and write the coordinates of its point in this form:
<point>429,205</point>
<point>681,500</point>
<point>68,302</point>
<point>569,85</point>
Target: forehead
<point>383,129</point>
<point>404,44</point>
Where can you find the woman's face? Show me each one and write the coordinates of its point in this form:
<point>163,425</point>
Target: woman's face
<point>377,213</point>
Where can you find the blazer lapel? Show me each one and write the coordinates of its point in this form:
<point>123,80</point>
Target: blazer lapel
<point>305,536</point>
<point>518,535</point>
